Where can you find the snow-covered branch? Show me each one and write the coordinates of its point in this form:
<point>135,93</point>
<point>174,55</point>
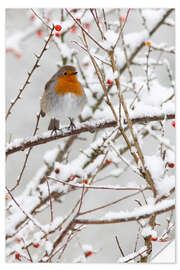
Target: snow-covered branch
<point>22,144</point>
<point>141,212</point>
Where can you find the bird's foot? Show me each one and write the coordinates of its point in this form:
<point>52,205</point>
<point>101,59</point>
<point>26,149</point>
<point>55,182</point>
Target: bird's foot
<point>54,131</point>
<point>72,125</point>
<point>54,126</point>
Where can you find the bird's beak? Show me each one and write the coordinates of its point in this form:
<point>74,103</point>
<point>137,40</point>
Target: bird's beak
<point>74,73</point>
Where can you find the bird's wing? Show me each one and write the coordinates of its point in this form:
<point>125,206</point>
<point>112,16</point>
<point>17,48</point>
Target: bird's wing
<point>53,79</point>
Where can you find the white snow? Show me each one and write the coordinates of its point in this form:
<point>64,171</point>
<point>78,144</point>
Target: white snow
<point>165,185</point>
<point>155,165</point>
<point>153,16</point>
<point>50,156</point>
<point>147,231</point>
<point>133,40</point>
<point>48,246</point>
<point>111,38</point>
<point>133,255</point>
<point>140,211</point>
<point>87,247</point>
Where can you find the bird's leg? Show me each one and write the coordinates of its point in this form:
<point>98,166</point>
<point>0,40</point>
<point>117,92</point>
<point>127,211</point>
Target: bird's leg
<point>72,125</point>
<point>53,125</point>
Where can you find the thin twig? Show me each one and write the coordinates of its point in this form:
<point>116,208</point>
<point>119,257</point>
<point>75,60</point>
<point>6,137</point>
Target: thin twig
<point>50,200</point>
<point>95,56</point>
<point>39,17</point>
<point>27,249</point>
<point>96,19</point>
<point>117,241</point>
<point>100,78</point>
<point>137,239</point>
<point>122,28</point>
<point>26,214</point>
<point>104,18</point>
<point>92,187</point>
<point>147,68</point>
<point>27,155</point>
<point>84,30</point>
<point>108,204</point>
<point>81,200</point>
<point>136,97</point>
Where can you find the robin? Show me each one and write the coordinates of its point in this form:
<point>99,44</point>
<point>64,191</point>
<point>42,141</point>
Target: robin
<point>63,97</point>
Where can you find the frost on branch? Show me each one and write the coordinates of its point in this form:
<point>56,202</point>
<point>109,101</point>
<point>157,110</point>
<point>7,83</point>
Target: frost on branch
<point>117,165</point>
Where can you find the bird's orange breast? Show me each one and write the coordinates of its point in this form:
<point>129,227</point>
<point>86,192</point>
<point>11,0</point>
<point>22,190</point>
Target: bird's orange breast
<point>69,84</point>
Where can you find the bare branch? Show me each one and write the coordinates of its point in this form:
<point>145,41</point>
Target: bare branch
<point>117,241</point>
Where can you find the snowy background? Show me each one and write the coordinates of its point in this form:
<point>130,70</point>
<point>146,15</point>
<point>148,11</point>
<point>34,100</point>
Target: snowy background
<point>21,124</point>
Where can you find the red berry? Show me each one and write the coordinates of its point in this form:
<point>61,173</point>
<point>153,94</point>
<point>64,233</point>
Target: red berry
<point>85,181</point>
<point>9,50</point>
<point>72,177</point>
<point>18,240</point>
<point>39,33</point>
<point>108,161</point>
<point>85,64</point>
<point>171,165</point>
<point>58,27</point>
<point>88,253</point>
<point>154,239</point>
<point>164,240</point>
<point>73,29</point>
<point>173,123</point>
<point>57,34</point>
<point>32,17</point>
<point>57,170</point>
<point>109,82</point>
<point>36,245</point>
<point>87,26</point>
<point>18,55</point>
<point>17,256</point>
<point>122,19</point>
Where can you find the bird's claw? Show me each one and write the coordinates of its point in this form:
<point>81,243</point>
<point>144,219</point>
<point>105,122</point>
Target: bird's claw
<point>72,125</point>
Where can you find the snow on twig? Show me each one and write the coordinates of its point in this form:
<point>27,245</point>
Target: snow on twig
<point>142,251</point>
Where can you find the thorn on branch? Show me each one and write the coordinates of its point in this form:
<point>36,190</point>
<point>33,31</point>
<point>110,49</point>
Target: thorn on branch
<point>37,56</point>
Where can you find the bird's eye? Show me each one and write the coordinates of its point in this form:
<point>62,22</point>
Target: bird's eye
<point>65,73</point>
